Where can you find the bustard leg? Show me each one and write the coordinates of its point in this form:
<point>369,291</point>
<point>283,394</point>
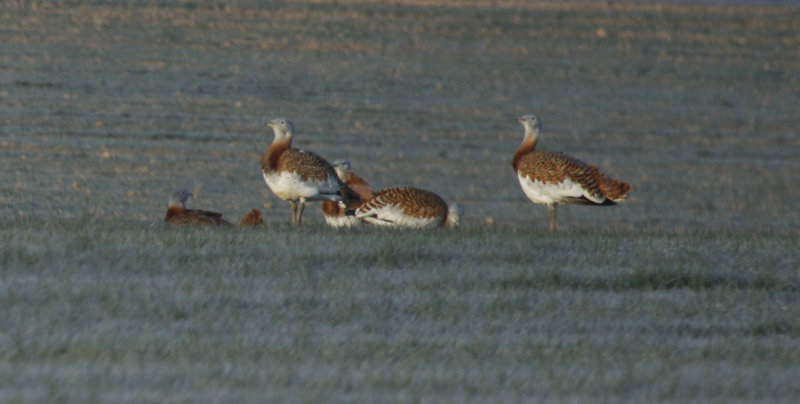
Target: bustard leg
<point>300,208</point>
<point>552,210</point>
<point>293,204</point>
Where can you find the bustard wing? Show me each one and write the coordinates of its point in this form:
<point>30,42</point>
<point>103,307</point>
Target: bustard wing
<point>309,165</point>
<point>557,168</point>
<point>196,216</point>
<point>413,202</point>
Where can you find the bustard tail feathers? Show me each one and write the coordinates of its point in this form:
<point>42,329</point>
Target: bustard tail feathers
<point>454,213</point>
<point>614,190</point>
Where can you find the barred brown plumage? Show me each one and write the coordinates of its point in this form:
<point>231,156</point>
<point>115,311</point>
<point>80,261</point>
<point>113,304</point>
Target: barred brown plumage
<point>354,182</point>
<point>298,176</point>
<point>339,214</point>
<point>177,214</point>
<point>409,207</point>
<point>555,178</point>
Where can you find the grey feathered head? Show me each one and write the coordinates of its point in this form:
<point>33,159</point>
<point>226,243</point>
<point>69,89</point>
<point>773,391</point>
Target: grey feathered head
<point>179,198</point>
<point>283,128</point>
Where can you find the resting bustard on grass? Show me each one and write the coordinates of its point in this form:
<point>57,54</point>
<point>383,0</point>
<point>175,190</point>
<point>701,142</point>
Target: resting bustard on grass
<point>252,218</point>
<point>177,213</point>
<point>299,176</point>
<point>409,207</point>
<point>337,214</point>
<point>554,178</point>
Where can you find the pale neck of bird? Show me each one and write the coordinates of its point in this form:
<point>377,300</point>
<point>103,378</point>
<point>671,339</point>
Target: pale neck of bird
<point>283,138</point>
<point>531,136</point>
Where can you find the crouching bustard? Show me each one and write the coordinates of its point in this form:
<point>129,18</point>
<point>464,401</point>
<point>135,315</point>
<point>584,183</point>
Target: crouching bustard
<point>299,176</point>
<point>337,214</point>
<point>555,178</point>
<point>177,214</point>
<point>409,207</point>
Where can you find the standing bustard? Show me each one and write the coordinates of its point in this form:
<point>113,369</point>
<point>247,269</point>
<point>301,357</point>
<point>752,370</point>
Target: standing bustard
<point>177,214</point>
<point>337,214</point>
<point>298,176</point>
<point>409,207</point>
<point>554,178</point>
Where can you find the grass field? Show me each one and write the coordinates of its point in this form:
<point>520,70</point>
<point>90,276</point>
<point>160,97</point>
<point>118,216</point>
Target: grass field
<point>688,292</point>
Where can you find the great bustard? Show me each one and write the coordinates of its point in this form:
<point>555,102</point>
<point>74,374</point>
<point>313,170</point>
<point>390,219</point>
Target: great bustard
<point>299,176</point>
<point>337,214</point>
<point>252,218</point>
<point>177,214</point>
<point>409,207</point>
<point>555,178</point>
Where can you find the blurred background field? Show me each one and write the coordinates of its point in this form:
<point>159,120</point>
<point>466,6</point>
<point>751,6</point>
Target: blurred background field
<point>687,291</point>
<point>108,106</point>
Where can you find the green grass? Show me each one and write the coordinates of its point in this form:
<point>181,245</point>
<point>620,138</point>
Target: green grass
<point>688,292</point>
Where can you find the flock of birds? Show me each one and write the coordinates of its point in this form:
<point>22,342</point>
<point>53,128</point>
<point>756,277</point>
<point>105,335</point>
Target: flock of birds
<point>300,176</point>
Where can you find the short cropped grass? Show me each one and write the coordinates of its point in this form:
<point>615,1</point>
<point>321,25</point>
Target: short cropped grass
<point>687,292</point>
<point>104,312</point>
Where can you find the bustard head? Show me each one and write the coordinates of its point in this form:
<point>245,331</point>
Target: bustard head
<point>341,166</point>
<point>282,127</point>
<point>179,198</point>
<point>532,125</point>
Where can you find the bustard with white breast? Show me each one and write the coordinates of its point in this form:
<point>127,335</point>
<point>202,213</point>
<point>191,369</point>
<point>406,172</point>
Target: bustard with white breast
<point>299,176</point>
<point>409,207</point>
<point>553,179</point>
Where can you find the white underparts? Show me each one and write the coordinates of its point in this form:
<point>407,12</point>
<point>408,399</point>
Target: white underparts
<point>342,221</point>
<point>394,216</point>
<point>555,193</point>
<point>290,186</point>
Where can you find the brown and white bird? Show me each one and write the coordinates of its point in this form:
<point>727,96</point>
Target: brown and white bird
<point>337,214</point>
<point>553,179</point>
<point>409,207</point>
<point>252,218</point>
<point>299,176</point>
<point>177,214</point>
